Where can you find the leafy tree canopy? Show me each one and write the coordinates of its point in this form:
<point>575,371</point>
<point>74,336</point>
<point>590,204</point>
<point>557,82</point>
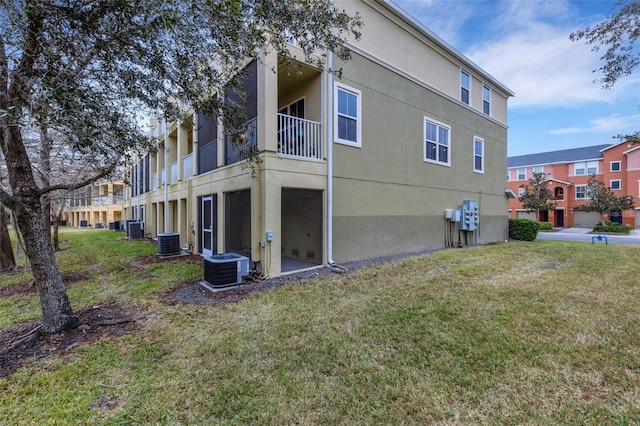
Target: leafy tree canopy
<point>537,195</point>
<point>617,37</point>
<point>87,69</point>
<point>603,200</point>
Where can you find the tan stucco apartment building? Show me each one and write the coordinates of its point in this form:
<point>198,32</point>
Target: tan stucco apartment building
<point>356,167</point>
<point>95,205</point>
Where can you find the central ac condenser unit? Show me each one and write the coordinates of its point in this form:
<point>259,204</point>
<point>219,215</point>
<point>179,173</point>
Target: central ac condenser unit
<point>222,270</point>
<point>168,244</point>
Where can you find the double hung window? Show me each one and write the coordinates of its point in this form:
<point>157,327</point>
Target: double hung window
<point>436,142</point>
<point>465,86</point>
<point>348,115</point>
<point>478,155</point>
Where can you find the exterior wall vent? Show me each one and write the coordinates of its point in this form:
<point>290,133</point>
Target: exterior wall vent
<point>222,270</point>
<point>169,244</point>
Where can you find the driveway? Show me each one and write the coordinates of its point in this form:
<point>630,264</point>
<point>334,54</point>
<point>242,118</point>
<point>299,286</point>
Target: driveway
<point>585,234</point>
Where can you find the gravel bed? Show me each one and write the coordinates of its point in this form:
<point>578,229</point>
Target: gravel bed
<point>196,293</point>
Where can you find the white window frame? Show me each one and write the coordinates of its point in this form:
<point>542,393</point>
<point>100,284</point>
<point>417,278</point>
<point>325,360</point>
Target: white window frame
<point>619,163</point>
<point>581,165</point>
<point>618,181</point>
<point>462,87</point>
<point>590,165</point>
<point>520,192</point>
<point>342,87</point>
<point>476,155</point>
<point>508,175</point>
<point>438,144</point>
<point>585,192</point>
<point>524,174</point>
<point>540,168</point>
<point>486,99</point>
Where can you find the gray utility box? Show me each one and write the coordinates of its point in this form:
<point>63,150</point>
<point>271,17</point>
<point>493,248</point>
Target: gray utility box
<point>226,269</point>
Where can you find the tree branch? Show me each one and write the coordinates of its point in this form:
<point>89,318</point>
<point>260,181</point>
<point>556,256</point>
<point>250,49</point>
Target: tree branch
<point>70,187</point>
<point>4,67</point>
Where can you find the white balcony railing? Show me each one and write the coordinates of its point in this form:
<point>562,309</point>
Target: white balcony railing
<point>298,137</point>
<point>187,167</point>
<point>163,178</point>
<point>154,181</point>
<point>174,172</point>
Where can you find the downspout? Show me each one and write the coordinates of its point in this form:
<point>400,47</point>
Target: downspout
<point>330,160</point>
<point>330,263</point>
<point>166,176</point>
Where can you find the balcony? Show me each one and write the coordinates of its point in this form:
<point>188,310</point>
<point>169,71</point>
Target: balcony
<point>174,172</point>
<point>187,167</point>
<point>299,138</point>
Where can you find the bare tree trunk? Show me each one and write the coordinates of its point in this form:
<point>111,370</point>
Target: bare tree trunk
<point>7,259</point>
<point>45,173</point>
<point>57,314</point>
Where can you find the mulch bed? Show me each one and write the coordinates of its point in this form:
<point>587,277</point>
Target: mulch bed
<point>22,344</point>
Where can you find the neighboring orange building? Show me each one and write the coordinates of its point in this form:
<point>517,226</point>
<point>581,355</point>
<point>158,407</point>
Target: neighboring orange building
<point>568,172</point>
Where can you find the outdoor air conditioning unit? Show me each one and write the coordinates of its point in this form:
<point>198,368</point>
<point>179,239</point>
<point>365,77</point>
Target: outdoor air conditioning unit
<point>135,230</point>
<point>83,224</point>
<point>168,244</point>
<point>227,269</point>
<point>126,226</point>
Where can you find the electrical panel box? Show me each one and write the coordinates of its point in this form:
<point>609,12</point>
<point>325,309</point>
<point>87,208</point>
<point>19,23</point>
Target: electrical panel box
<point>469,215</point>
<point>448,213</point>
<point>455,217</point>
<point>269,236</point>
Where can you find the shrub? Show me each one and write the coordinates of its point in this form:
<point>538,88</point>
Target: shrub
<point>612,227</point>
<point>523,229</point>
<point>545,226</point>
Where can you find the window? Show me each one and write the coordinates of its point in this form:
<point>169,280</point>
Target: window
<point>538,169</point>
<point>436,142</point>
<point>592,167</point>
<point>478,155</point>
<point>615,185</point>
<point>578,168</point>
<point>508,174</point>
<point>520,192</point>
<point>580,192</point>
<point>465,84</point>
<point>486,99</point>
<point>614,166</point>
<point>348,120</point>
<point>522,173</point>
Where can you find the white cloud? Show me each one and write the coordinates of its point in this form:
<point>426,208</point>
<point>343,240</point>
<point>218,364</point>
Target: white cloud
<point>526,46</point>
<point>614,123</point>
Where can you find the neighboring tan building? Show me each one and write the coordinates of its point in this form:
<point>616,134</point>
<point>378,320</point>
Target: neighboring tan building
<point>350,168</point>
<point>95,205</point>
<point>568,172</point>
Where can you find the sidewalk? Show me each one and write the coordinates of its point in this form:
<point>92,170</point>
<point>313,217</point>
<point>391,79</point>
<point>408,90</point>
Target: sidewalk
<point>635,233</point>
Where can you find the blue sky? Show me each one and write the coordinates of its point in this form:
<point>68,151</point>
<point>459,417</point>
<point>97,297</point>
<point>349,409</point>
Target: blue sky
<point>525,45</point>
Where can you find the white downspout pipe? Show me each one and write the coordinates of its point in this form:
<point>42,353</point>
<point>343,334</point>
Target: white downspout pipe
<point>166,176</point>
<point>330,159</point>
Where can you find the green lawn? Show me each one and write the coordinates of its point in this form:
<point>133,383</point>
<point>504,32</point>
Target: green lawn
<point>545,332</point>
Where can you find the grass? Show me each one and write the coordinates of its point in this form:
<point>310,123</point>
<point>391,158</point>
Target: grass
<point>543,332</point>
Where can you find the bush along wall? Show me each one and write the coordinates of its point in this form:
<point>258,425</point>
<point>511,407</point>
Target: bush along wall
<point>545,226</point>
<point>612,227</point>
<point>523,229</point>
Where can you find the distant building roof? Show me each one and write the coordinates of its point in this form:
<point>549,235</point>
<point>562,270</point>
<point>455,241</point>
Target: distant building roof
<point>562,156</point>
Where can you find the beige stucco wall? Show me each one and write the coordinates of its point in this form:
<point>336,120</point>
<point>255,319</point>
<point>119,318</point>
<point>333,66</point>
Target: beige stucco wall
<point>387,199</point>
<point>389,38</point>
